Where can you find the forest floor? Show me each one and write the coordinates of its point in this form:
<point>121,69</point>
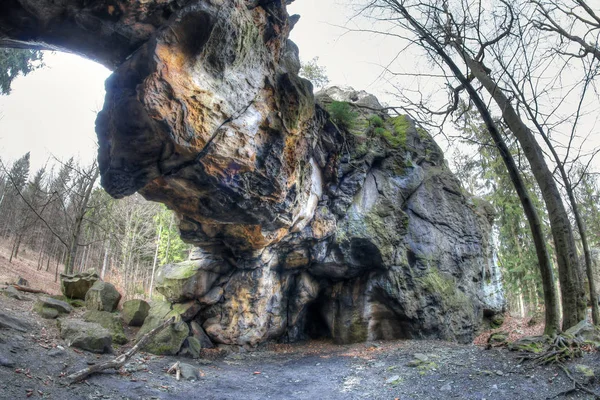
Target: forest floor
<point>34,364</point>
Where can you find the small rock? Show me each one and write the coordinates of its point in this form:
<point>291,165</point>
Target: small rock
<point>47,313</point>
<point>446,388</point>
<point>497,321</point>
<point>22,281</point>
<point>189,372</point>
<point>5,362</point>
<point>499,373</point>
<point>421,357</point>
<point>393,380</point>
<point>495,387</point>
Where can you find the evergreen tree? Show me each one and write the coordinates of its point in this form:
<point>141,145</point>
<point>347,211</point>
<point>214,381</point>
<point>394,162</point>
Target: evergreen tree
<point>17,61</point>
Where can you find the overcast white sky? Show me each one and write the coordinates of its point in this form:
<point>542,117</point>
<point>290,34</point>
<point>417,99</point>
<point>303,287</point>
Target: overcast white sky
<point>51,112</point>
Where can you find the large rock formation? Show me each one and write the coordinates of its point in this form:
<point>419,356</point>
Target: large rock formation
<point>305,224</point>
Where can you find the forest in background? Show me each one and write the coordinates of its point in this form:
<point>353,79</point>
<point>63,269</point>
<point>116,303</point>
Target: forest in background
<point>61,217</point>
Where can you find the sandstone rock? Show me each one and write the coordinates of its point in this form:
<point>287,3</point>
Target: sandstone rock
<point>85,335</point>
<point>102,296</point>
<point>189,372</point>
<point>200,336</point>
<point>302,227</point>
<point>170,339</point>
<point>13,293</point>
<point>191,348</point>
<point>47,313</point>
<point>213,296</point>
<point>135,312</point>
<point>189,280</point>
<point>531,344</point>
<point>498,337</point>
<point>187,310</point>
<point>497,321</point>
<point>44,303</point>
<point>76,286</point>
<point>11,322</point>
<point>109,321</point>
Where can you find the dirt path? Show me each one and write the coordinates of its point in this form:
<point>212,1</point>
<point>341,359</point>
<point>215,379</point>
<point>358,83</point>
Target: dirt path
<point>34,361</point>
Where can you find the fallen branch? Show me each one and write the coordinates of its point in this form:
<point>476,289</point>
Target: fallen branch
<point>119,361</point>
<point>175,368</point>
<point>28,290</point>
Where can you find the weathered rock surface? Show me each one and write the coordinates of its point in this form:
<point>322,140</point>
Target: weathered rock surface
<point>76,286</point>
<point>11,322</point>
<point>171,338</point>
<point>109,321</point>
<point>305,224</point>
<point>50,308</point>
<point>13,293</point>
<point>102,296</point>
<point>135,312</point>
<point>85,335</point>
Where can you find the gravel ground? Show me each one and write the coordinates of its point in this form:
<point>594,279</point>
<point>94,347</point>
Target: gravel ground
<point>34,363</point>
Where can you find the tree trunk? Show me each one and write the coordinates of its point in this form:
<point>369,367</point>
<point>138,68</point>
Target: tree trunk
<point>154,262</point>
<point>76,232</point>
<point>105,260</point>
<point>574,304</point>
<point>552,321</point>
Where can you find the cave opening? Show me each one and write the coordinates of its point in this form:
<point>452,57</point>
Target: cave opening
<point>315,325</point>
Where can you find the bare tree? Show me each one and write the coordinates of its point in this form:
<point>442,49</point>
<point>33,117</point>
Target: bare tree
<point>459,35</point>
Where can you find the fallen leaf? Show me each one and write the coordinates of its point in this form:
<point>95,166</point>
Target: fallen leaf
<point>256,373</point>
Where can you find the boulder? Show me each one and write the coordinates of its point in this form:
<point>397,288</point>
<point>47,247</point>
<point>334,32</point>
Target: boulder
<point>171,338</point>
<point>168,341</point>
<point>12,322</point>
<point>76,286</point>
<point>102,296</point>
<point>87,336</point>
<point>13,293</point>
<point>51,308</point>
<point>134,312</point>
<point>109,321</point>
